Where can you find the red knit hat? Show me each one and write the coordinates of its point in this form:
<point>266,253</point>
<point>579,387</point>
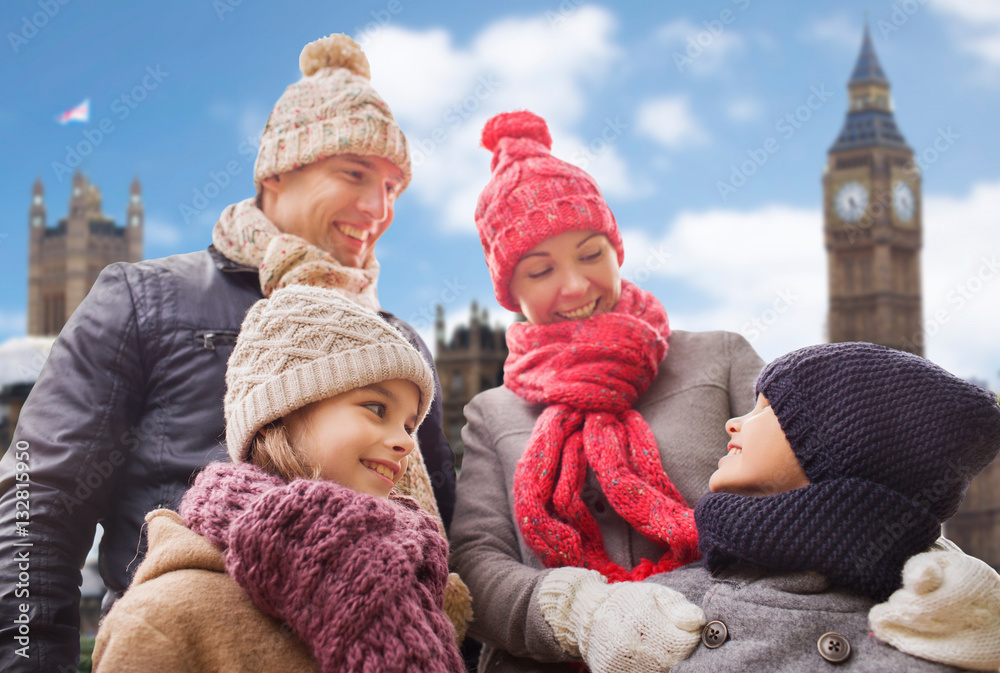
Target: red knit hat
<point>531,197</point>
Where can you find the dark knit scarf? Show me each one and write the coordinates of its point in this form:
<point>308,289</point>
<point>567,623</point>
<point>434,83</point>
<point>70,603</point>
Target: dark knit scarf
<point>590,373</point>
<point>855,532</point>
<point>360,580</point>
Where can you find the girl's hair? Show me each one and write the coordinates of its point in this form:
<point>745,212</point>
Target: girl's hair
<point>271,451</point>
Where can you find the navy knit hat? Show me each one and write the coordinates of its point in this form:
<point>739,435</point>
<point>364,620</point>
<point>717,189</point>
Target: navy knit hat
<point>870,412</point>
<point>889,442</point>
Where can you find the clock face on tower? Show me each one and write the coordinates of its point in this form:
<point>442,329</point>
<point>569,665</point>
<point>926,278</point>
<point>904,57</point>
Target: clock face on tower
<point>851,201</point>
<point>903,202</point>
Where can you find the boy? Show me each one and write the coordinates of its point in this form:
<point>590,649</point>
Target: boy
<point>852,459</point>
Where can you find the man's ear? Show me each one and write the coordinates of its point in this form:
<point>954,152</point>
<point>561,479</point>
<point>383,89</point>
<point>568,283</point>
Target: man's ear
<point>271,184</point>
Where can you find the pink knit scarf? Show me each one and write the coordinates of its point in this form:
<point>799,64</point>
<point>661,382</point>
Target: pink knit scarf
<point>590,373</point>
<point>360,580</point>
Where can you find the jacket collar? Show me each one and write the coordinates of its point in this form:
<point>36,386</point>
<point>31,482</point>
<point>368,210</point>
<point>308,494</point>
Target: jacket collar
<point>223,263</point>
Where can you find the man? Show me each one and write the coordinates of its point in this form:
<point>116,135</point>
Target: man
<point>129,404</point>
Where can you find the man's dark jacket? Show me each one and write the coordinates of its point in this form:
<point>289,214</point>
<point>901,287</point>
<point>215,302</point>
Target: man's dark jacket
<point>127,408</point>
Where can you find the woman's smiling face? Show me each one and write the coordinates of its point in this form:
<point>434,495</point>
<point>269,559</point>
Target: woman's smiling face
<point>570,276</point>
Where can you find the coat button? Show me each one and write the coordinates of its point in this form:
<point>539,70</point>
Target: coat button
<point>714,634</point>
<point>834,647</point>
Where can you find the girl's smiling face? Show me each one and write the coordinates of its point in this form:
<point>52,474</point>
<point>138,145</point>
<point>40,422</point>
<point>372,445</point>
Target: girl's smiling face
<point>570,276</point>
<point>760,459</point>
<point>362,438</point>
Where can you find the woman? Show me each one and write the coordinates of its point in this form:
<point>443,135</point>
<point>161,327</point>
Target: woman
<point>580,472</point>
<point>554,251</point>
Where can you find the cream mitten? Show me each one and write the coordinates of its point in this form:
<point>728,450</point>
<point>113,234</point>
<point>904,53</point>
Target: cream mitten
<point>629,627</point>
<point>948,611</point>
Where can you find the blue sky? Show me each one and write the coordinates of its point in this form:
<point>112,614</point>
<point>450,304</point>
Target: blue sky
<point>658,102</point>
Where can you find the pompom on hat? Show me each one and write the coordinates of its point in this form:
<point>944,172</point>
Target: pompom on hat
<point>532,196</point>
<point>332,110</point>
<point>306,344</point>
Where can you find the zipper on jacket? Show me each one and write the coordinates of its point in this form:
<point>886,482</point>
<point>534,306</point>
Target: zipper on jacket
<point>209,339</point>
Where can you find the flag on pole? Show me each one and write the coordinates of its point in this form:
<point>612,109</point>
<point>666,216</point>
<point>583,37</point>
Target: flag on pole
<point>80,113</point>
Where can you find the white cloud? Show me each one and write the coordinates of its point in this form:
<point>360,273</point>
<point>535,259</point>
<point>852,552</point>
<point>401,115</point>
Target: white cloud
<point>961,277</point>
<point>763,273</point>
<point>251,124</point>
<point>757,269</point>
<point>443,93</point>
<point>14,323</point>
<point>977,26</point>
<point>699,49</point>
<point>158,233</point>
<point>743,109</point>
<point>838,29</point>
<point>670,122</point>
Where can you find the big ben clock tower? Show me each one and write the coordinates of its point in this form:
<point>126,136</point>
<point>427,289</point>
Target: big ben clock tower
<point>872,219</point>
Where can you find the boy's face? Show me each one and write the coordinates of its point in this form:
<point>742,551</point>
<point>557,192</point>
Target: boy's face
<point>569,276</point>
<point>760,459</point>
<point>360,439</point>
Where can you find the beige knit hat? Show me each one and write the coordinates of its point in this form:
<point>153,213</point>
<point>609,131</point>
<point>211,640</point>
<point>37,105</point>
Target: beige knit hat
<point>332,110</point>
<point>306,344</point>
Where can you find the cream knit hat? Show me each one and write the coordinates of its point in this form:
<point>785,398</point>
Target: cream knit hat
<point>306,344</point>
<point>332,110</point>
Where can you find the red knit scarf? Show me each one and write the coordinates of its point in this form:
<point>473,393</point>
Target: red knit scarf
<point>590,373</point>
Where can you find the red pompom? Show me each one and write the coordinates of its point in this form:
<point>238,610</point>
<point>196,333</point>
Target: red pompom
<point>521,124</point>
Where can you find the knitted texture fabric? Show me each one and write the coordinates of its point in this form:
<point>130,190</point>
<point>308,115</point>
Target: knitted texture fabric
<point>306,344</point>
<point>590,373</point>
<point>620,628</point>
<point>360,580</point>
<point>889,442</point>
<point>246,236</point>
<point>948,611</point>
<point>532,196</point>
<point>857,533</point>
<point>332,110</point>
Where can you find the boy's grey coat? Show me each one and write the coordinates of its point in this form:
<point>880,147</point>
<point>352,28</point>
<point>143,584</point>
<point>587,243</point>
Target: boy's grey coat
<point>776,620</point>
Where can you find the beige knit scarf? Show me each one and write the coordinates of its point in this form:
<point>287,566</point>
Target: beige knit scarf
<point>246,236</point>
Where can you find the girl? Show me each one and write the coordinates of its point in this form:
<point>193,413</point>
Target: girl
<point>603,436</point>
<point>300,556</point>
